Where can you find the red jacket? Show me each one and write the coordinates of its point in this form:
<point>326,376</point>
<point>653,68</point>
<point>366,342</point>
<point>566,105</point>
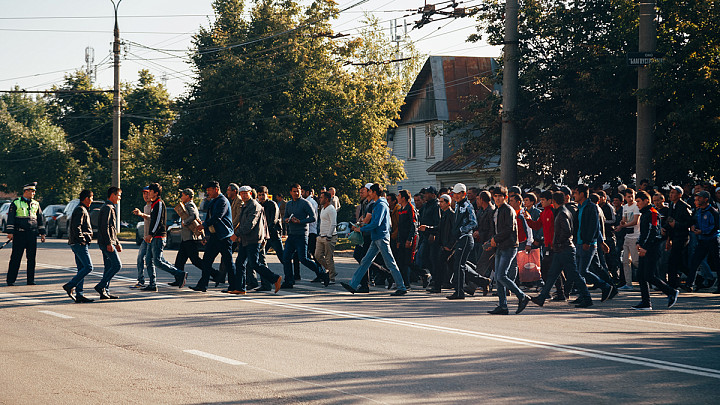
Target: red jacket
<point>547,223</point>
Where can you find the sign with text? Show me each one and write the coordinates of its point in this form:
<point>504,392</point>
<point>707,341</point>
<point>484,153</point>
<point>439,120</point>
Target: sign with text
<point>643,58</point>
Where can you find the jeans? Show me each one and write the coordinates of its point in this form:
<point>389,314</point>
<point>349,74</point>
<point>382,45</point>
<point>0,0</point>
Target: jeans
<point>505,273</point>
<point>84,266</point>
<point>276,244</point>
<point>564,261</point>
<point>706,248</point>
<point>144,259</point>
<point>463,248</point>
<point>214,247</point>
<point>112,264</point>
<point>156,247</point>
<point>589,257</point>
<point>250,254</point>
<point>297,243</point>
<point>647,268</point>
<point>381,246</point>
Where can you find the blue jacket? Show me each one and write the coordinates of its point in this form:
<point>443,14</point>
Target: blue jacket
<point>379,226</point>
<point>219,217</point>
<point>465,220</point>
<point>707,221</point>
<point>302,210</point>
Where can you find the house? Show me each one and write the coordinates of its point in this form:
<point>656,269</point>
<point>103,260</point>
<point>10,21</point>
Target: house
<point>440,95</point>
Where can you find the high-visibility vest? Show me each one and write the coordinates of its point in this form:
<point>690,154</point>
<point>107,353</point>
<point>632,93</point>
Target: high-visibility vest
<point>23,210</point>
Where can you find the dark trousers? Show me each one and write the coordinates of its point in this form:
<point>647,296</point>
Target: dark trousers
<point>564,261</point>
<point>647,267</point>
<point>297,244</point>
<point>188,250</point>
<point>463,248</point>
<point>709,248</point>
<point>403,261</point>
<point>431,260</point>
<point>676,262</point>
<point>214,247</point>
<point>560,281</point>
<point>276,244</point>
<point>247,262</point>
<point>23,241</point>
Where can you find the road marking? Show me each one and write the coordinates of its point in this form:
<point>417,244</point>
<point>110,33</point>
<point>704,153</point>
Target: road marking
<point>59,315</point>
<point>215,357</point>
<point>20,298</point>
<point>576,350</point>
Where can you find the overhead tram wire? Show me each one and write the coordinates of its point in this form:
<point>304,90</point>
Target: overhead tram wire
<point>103,17</point>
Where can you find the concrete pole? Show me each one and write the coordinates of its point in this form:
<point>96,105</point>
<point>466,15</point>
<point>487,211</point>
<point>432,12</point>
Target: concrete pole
<point>508,143</point>
<point>645,111</point>
<point>116,110</point>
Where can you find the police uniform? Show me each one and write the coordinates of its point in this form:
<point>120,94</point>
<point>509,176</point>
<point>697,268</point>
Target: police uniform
<point>25,222</point>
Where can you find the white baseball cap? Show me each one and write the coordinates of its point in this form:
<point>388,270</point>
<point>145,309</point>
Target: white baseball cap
<point>459,188</point>
<point>367,186</point>
<point>446,198</point>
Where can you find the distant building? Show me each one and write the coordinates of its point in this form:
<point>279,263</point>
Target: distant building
<point>439,95</point>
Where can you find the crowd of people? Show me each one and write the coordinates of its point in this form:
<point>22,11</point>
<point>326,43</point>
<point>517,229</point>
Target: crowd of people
<point>467,240</point>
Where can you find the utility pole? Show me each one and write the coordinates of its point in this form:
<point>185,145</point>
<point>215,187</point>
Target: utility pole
<point>397,38</point>
<point>89,60</point>
<point>645,110</point>
<point>511,56</point>
<point>116,109</point>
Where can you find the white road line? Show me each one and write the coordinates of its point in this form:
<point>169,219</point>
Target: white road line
<point>59,315</point>
<point>580,351</point>
<point>215,357</point>
<point>19,298</point>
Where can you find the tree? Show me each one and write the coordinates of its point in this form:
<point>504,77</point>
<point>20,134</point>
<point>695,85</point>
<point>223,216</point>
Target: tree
<point>33,149</point>
<point>577,98</point>
<point>275,103</point>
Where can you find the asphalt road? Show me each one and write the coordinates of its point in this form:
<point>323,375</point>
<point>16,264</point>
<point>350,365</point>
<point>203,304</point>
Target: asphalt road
<point>323,345</point>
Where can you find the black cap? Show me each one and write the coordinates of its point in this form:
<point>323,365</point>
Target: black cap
<point>212,184</point>
<point>515,189</point>
<point>703,194</point>
<point>431,190</point>
<point>565,189</point>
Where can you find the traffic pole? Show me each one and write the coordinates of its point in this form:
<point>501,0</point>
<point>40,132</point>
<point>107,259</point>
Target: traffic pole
<point>511,56</point>
<point>116,110</point>
<point>645,143</point>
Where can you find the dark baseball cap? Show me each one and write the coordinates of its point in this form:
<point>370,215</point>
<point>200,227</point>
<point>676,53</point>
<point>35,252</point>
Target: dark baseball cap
<point>212,184</point>
<point>431,190</point>
<point>565,189</point>
<point>703,194</point>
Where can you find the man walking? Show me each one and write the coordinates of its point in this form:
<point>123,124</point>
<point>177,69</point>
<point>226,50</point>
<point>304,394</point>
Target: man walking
<point>327,238</point>
<point>25,222</point>
<point>109,242</point>
<point>505,241</point>
<point>218,227</point>
<point>677,228</point>
<point>407,235</point>
<point>156,238</point>
<point>144,256</point>
<point>189,240</point>
<point>251,234</point>
<point>298,214</point>
<point>463,224</point>
<point>379,228</point>
<point>707,229</point>
<point>79,239</point>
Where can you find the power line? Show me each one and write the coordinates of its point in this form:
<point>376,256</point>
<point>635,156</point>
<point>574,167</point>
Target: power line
<point>102,17</point>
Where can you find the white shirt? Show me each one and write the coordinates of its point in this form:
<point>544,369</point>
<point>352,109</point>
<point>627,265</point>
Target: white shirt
<point>629,213</point>
<point>328,221</point>
<point>312,227</point>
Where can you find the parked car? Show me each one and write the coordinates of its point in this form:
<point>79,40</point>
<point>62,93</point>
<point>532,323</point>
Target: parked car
<point>63,221</point>
<point>51,214</point>
<point>173,233</point>
<point>3,216</point>
<point>343,229</point>
<point>172,221</point>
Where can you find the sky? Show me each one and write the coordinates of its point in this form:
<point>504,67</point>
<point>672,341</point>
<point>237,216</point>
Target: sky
<point>43,40</point>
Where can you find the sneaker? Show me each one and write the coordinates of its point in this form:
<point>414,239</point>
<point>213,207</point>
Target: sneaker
<point>626,288</point>
<point>152,288</point>
<point>138,285</point>
<point>672,298</point>
<point>642,307</point>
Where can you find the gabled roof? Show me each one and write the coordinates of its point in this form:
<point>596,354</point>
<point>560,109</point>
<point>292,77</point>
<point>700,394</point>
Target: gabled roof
<point>442,87</point>
<point>459,163</point>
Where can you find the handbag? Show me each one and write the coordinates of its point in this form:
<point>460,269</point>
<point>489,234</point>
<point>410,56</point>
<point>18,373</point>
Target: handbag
<point>529,265</point>
<point>356,238</point>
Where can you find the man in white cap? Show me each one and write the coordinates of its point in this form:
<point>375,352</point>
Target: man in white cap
<point>463,225</point>
<point>24,223</point>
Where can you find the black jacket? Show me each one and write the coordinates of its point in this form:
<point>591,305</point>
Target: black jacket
<point>107,226</point>
<point>430,217</point>
<point>609,223</point>
<point>506,232</point>
<point>563,234</point>
<point>407,224</point>
<point>588,230</point>
<point>682,214</point>
<point>447,220</point>
<point>272,216</point>
<point>649,228</point>
<point>157,219</point>
<point>486,227</point>
<point>80,228</point>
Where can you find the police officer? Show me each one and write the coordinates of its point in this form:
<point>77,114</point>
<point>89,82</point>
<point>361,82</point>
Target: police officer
<point>25,222</point>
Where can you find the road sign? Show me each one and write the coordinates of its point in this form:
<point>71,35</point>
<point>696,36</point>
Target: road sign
<point>643,58</point>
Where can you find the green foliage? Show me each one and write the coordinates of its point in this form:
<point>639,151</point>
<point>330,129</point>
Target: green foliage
<point>285,109</point>
<point>577,101</point>
<point>33,149</point>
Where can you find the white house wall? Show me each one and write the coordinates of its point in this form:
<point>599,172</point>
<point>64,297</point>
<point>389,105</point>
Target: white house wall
<point>416,169</point>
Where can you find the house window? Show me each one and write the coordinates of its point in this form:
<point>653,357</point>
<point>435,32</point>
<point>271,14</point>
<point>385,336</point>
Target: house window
<point>429,144</point>
<point>412,148</point>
